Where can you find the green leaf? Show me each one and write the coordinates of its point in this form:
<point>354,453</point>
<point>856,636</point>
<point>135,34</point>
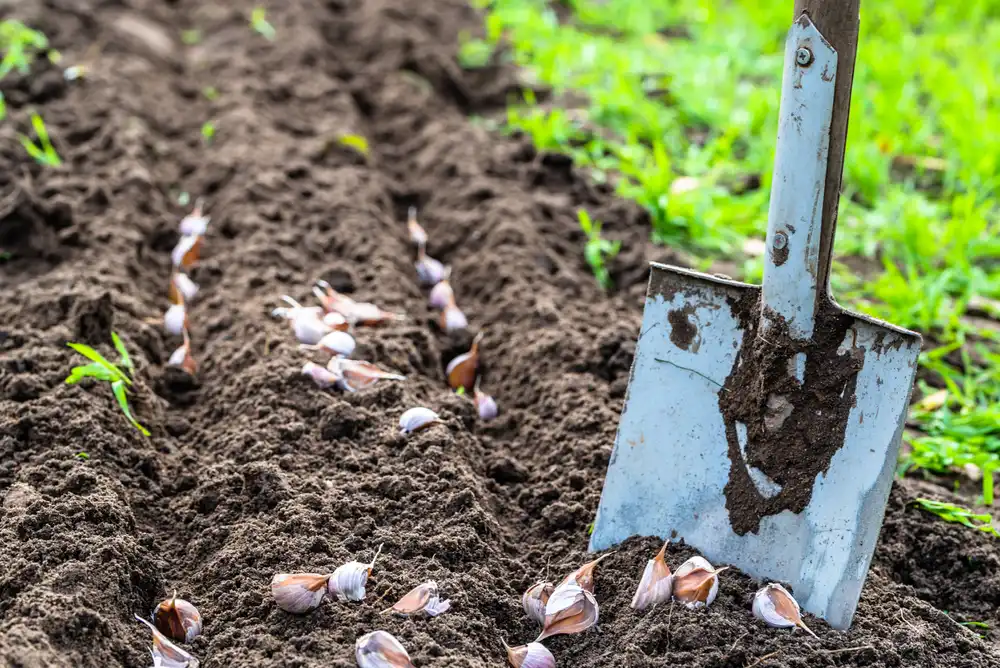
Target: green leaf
<point>93,370</point>
<point>120,347</point>
<point>95,356</point>
<point>357,142</point>
<point>118,387</point>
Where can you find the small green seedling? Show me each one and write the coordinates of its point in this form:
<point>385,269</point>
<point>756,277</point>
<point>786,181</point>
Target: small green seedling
<point>211,93</point>
<point>356,142</point>
<point>259,22</point>
<point>191,37</point>
<point>102,369</point>
<point>597,250</point>
<point>20,46</point>
<point>43,152</point>
<point>208,132</point>
<point>949,512</point>
<point>82,456</point>
<point>3,108</point>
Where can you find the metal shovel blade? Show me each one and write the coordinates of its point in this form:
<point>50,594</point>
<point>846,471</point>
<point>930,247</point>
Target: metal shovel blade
<point>762,426</point>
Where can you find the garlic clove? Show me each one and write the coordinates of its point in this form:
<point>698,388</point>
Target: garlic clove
<point>422,598</point>
<point>195,223</point>
<point>532,655</point>
<point>322,376</point>
<point>380,649</point>
<point>418,236</point>
<point>177,619</point>
<point>442,295</point>
<point>335,343</point>
<point>185,253</point>
<point>452,319</point>
<point>656,585</point>
<point>182,358</point>
<point>309,328</point>
<point>696,583</point>
<point>355,313</point>
<point>570,609</point>
<point>418,418</point>
<point>166,653</point>
<point>332,300</point>
<point>777,607</point>
<point>336,321</point>
<point>298,592</point>
<point>534,599</point>
<point>429,271</point>
<point>584,576</point>
<point>175,319</point>
<point>462,370</point>
<point>486,406</point>
<point>348,582</point>
<point>354,375</point>
<point>181,288</point>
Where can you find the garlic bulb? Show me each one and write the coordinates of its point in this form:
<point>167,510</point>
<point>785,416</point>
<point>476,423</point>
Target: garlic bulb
<point>656,585</point>
<point>416,419</point>
<point>181,288</point>
<point>422,598</point>
<point>570,609</point>
<point>532,655</point>
<point>335,343</point>
<point>185,253</point>
<point>584,576</point>
<point>175,319</point>
<point>429,271</point>
<point>696,583</point>
<point>298,592</point>
<point>177,619</point>
<point>452,318</point>
<point>777,607</point>
<point>166,653</point>
<point>354,375</point>
<point>534,599</point>
<point>348,582</point>
<point>380,649</point>
<point>462,370</point>
<point>418,236</point>
<point>442,294</point>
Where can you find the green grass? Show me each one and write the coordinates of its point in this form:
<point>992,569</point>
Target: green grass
<point>40,148</point>
<point>103,370</point>
<point>675,104</point>
<point>260,24</point>
<point>950,512</point>
<point>20,46</point>
<point>597,249</point>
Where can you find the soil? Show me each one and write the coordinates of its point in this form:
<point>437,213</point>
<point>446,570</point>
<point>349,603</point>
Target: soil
<point>251,469</point>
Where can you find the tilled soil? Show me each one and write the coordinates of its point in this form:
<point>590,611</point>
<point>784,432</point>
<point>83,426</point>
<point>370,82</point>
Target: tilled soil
<point>251,469</point>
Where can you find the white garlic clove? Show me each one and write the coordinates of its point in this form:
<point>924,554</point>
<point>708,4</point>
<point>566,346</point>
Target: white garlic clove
<point>422,598</point>
<point>584,575</point>
<point>775,606</point>
<point>336,320</point>
<point>348,582</point>
<point>354,375</point>
<point>486,406</point>
<point>429,271</point>
<point>309,328</point>
<point>336,343</point>
<point>532,655</point>
<point>570,609</point>
<point>418,418</point>
<point>462,370</point>
<point>441,295</point>
<point>185,253</point>
<point>534,599</point>
<point>166,653</point>
<point>418,236</point>
<point>298,592</point>
<point>452,319</point>
<point>177,619</point>
<point>322,376</point>
<point>696,583</point>
<point>194,224</point>
<point>656,585</point>
<point>182,288</point>
<point>175,319</point>
<point>380,649</point>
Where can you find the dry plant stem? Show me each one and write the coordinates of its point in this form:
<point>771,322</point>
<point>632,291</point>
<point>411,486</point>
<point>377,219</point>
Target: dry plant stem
<point>763,658</point>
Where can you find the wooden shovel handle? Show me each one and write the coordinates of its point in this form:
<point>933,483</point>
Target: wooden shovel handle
<point>838,21</point>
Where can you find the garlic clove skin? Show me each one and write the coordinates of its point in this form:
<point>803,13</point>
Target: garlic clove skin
<point>185,253</point>
<point>418,235</point>
<point>380,649</point>
<point>656,585</point>
<point>416,419</point>
<point>775,606</point>
<point>570,609</point>
<point>452,319</point>
<point>422,598</point>
<point>441,295</point>
<point>584,576</point>
<point>429,271</point>
<point>348,582</point>
<point>165,653</point>
<point>354,375</point>
<point>532,655</point>
<point>177,619</point>
<point>322,376</point>
<point>298,593</point>
<point>462,370</point>
<point>175,319</point>
<point>337,343</point>
<point>696,583</point>
<point>534,599</point>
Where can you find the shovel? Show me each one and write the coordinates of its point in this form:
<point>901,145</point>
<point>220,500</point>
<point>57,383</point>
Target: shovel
<point>762,424</point>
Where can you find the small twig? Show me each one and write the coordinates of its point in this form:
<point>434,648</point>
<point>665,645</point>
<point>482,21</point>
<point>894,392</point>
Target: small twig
<point>844,649</point>
<point>670,619</point>
<point>737,642</point>
<point>763,658</point>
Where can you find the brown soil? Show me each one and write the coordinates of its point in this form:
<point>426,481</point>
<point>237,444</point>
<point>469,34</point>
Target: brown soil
<point>251,470</point>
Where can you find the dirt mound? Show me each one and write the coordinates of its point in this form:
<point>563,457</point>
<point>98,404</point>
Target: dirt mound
<point>252,470</point>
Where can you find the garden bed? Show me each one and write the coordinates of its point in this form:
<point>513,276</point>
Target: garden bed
<point>251,469</point>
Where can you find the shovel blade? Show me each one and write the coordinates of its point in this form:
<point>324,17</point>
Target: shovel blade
<point>672,459</point>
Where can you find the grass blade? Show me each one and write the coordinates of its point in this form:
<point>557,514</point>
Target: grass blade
<point>120,347</point>
<point>93,370</point>
<point>95,356</point>
<point>118,387</point>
